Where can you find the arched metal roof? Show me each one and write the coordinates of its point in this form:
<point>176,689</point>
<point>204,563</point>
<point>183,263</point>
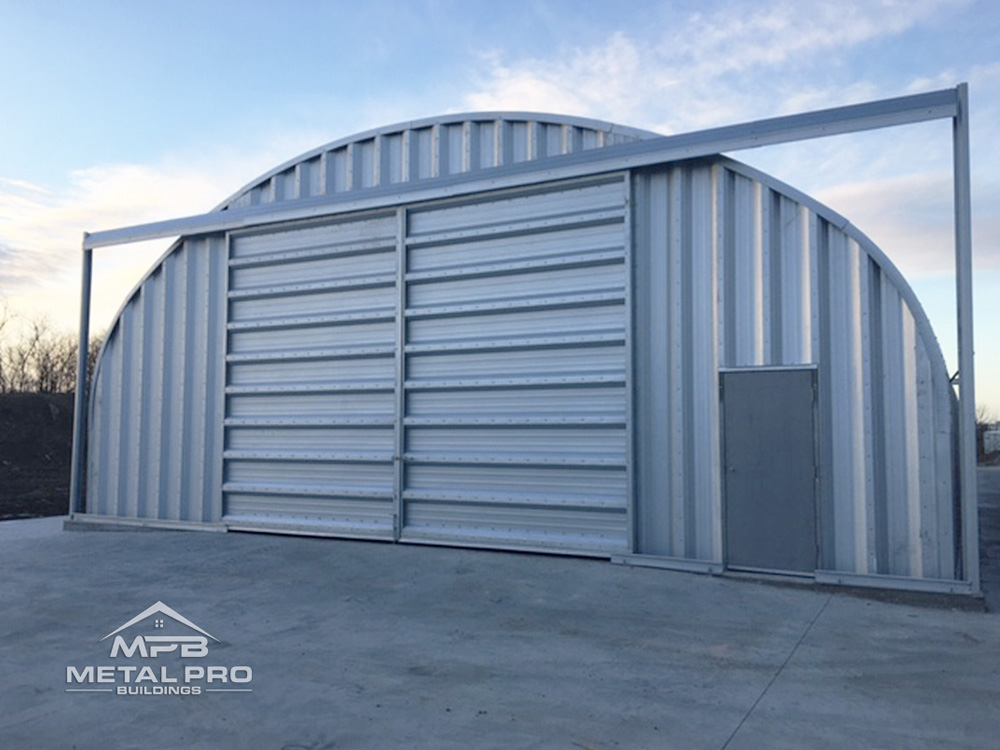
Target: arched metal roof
<point>424,149</point>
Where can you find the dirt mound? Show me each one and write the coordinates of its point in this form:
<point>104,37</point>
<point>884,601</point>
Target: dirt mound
<point>36,439</point>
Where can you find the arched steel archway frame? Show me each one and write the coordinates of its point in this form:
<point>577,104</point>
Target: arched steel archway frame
<point>944,104</point>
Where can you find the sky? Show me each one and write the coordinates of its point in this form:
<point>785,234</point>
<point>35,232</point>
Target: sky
<point>119,113</point>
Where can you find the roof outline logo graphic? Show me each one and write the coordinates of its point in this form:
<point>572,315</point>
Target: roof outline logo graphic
<point>160,608</point>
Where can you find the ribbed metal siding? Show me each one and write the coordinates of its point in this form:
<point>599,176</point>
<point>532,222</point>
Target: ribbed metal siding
<point>677,417</point>
<point>156,405</point>
<point>733,272</point>
<point>426,149</point>
<point>515,392</point>
<point>311,353</point>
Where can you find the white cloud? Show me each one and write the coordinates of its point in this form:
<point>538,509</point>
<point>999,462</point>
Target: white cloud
<point>41,231</point>
<point>22,185</point>
<point>41,228</point>
<point>704,69</point>
<point>775,34</point>
<point>588,81</point>
<point>911,219</point>
<point>707,69</point>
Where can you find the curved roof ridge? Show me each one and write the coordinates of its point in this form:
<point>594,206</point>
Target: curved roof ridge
<point>417,149</point>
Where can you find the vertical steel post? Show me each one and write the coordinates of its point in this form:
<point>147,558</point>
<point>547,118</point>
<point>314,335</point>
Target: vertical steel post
<point>399,448</point>
<point>966,359</point>
<point>80,396</point>
<point>630,448</point>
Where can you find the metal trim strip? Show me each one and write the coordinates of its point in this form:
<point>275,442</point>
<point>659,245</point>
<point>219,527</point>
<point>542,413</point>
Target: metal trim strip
<point>679,564</point>
<point>930,585</point>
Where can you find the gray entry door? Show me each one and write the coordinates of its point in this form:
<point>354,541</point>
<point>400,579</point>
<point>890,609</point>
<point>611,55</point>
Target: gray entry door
<point>770,478</point>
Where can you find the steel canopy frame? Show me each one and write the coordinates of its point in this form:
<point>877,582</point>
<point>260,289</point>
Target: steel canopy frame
<point>946,103</point>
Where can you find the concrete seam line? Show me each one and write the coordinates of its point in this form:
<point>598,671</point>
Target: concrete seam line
<point>780,670</point>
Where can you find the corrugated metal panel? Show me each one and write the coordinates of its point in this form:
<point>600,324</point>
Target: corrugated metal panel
<point>425,149</point>
<point>156,408</point>
<point>311,350</point>
<point>677,439</point>
<point>515,407</point>
<point>792,289</point>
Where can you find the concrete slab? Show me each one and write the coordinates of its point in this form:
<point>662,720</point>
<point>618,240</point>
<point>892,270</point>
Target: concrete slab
<point>367,645</point>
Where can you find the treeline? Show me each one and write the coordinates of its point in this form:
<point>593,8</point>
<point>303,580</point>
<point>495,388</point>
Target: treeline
<point>38,359</point>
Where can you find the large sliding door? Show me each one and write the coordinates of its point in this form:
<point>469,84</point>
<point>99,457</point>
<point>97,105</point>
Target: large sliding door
<point>452,372</point>
<point>515,402</point>
<point>310,385</point>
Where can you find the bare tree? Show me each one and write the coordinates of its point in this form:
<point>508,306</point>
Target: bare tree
<point>5,317</point>
<point>984,419</point>
<point>20,359</point>
<point>40,359</point>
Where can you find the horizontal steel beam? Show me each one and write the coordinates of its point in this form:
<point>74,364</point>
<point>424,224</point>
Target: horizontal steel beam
<point>853,118</point>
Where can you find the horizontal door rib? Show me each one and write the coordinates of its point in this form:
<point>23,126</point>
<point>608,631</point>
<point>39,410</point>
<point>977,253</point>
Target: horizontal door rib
<point>515,421</point>
<point>604,257</point>
<point>308,456</point>
<point>252,488</point>
<point>550,342</point>
<point>312,354</point>
<point>514,500</point>
<point>308,388</point>
<point>549,224</point>
<point>273,324</point>
<point>501,460</point>
<point>317,252</point>
<point>337,285</point>
<point>310,422</point>
<point>614,295</point>
<point>522,382</point>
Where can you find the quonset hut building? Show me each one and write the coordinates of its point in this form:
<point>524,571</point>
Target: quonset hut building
<point>543,333</point>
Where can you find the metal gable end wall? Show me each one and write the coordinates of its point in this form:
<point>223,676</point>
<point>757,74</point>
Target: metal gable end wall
<point>157,397</point>
<point>535,367</point>
<point>736,271</point>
